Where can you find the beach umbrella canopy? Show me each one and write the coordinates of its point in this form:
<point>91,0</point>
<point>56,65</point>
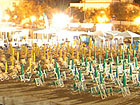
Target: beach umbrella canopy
<point>117,74</point>
<point>124,80</point>
<point>39,68</point>
<point>22,69</point>
<point>130,72</point>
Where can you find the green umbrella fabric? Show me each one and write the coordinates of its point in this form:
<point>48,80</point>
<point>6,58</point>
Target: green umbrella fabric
<point>22,69</point>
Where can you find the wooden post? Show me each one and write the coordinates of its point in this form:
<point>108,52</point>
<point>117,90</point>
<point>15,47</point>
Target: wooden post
<point>109,45</point>
<point>56,50</point>
<point>61,53</point>
<point>17,55</point>
<point>124,46</point>
<point>26,50</point>
<point>130,46</point>
<point>115,46</point>
<point>72,53</point>
<point>95,45</point>
<point>51,59</point>
<point>44,52</point>
<point>32,53</point>
<point>89,52</point>
<point>6,67</point>
<point>101,51</point>
<point>90,43</point>
<point>47,54</point>
<point>13,52</point>
<point>111,49</point>
<point>99,44</point>
<point>77,54</point>
<point>105,47</point>
<point>84,52</point>
<point>121,48</point>
<point>75,41</point>
<point>34,56</point>
<point>65,56</point>
<point>139,47</point>
<point>30,62</point>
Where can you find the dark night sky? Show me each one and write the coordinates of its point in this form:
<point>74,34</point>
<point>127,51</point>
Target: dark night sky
<point>75,1</point>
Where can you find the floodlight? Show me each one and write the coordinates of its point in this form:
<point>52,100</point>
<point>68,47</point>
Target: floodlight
<point>60,20</point>
<point>33,18</point>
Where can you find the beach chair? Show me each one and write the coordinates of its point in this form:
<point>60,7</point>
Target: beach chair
<point>63,75</point>
<point>22,78</point>
<point>44,73</point>
<point>38,82</point>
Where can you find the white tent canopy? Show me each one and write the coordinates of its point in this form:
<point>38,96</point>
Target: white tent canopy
<point>99,33</point>
<point>100,38</point>
<point>113,33</point>
<point>128,34</point>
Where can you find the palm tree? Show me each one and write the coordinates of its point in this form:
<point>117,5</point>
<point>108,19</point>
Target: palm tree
<point>136,1</point>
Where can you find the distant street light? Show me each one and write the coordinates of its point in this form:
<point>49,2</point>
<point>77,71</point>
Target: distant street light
<point>1,15</point>
<point>41,18</point>
<point>102,12</point>
<point>102,19</point>
<point>15,16</point>
<point>7,17</point>
<point>33,18</point>
<point>137,20</point>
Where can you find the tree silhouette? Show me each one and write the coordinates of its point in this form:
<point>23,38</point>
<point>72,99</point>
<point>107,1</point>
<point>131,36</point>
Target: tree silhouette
<point>124,11</point>
<point>36,8</point>
<point>137,1</point>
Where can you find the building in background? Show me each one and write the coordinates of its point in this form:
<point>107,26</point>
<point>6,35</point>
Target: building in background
<point>90,4</point>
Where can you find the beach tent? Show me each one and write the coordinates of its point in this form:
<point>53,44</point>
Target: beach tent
<point>129,34</point>
<point>101,39</point>
<point>99,36</point>
<point>98,33</point>
<point>110,34</point>
<point>113,37</point>
<point>129,37</point>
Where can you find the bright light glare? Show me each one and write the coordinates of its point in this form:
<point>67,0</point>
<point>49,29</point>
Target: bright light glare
<point>15,16</point>
<point>60,20</point>
<point>1,15</point>
<point>7,17</point>
<point>74,25</point>
<point>102,12</point>
<point>102,19</point>
<point>137,20</point>
<point>13,24</point>
<point>41,18</point>
<point>26,20</point>
<point>33,18</point>
<point>104,27</point>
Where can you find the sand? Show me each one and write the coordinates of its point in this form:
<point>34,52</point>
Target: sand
<point>14,92</point>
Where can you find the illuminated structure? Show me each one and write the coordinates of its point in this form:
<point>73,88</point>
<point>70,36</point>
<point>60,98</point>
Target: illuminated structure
<point>5,4</point>
<point>90,4</point>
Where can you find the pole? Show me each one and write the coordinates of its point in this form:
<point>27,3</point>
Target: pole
<point>84,11</point>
